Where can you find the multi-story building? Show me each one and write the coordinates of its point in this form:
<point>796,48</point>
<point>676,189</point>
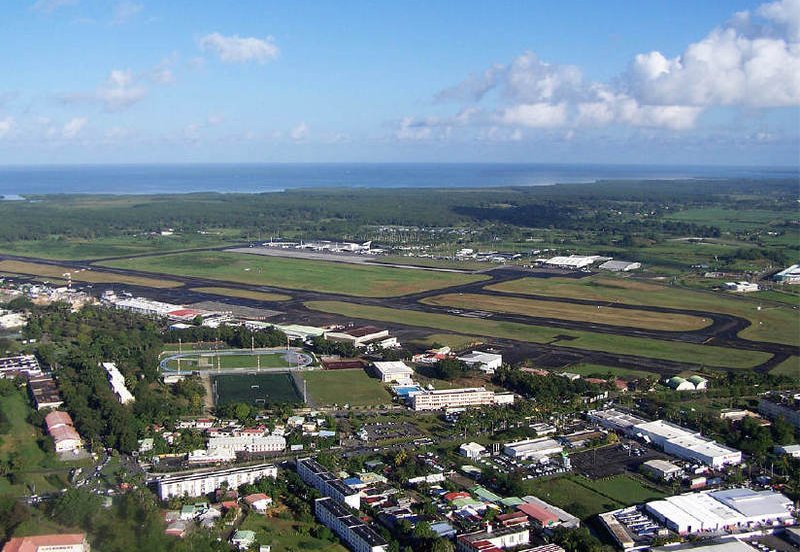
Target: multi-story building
<point>203,482</point>
<point>248,443</point>
<point>491,540</point>
<point>781,405</point>
<point>117,382</point>
<point>20,365</point>
<point>358,536</point>
<point>455,398</point>
<point>316,475</point>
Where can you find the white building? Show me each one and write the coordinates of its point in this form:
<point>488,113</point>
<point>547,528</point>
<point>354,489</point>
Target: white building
<point>62,430</point>
<point>211,456</point>
<point>248,443</point>
<point>117,382</point>
<point>789,276</point>
<point>574,261</point>
<point>740,287</point>
<point>394,371</point>
<point>359,536</point>
<point>472,451</point>
<point>615,420</point>
<point>486,362</point>
<point>203,482</point>
<point>20,365</point>
<point>791,450</point>
<point>504,537</point>
<point>533,449</point>
<point>620,266</point>
<point>359,337</point>
<point>662,469</point>
<point>686,444</point>
<point>316,475</point>
<point>455,398</point>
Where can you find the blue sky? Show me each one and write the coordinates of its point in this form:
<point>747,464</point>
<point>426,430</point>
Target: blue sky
<point>712,82</point>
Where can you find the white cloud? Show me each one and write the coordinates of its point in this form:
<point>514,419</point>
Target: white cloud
<point>6,126</point>
<point>125,11</point>
<point>784,14</point>
<point>413,130</point>
<point>120,91</point>
<point>535,115</point>
<point>236,49</point>
<point>49,6</point>
<point>73,127</point>
<point>299,132</point>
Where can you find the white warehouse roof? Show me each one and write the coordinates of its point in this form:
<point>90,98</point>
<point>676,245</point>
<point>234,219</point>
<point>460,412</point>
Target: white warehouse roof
<point>393,367</point>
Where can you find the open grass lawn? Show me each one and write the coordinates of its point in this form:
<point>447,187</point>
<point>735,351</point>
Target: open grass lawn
<point>730,219</point>
<point>433,263</point>
<point>779,296</point>
<point>40,469</point>
<point>353,387</point>
<point>778,324</point>
<point>455,341</point>
<point>588,369</point>
<point>789,367</point>
<point>287,534</point>
<point>584,498</point>
<point>243,293</point>
<point>90,276</point>
<point>324,276</point>
<point>624,345</point>
<point>569,311</point>
<point>78,249</point>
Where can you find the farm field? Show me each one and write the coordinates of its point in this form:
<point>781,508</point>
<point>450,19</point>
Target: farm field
<point>652,348</point>
<point>778,324</point>
<point>90,276</point>
<point>74,249</point>
<point>243,293</point>
<point>569,311</point>
<point>353,387</point>
<point>282,272</point>
<point>584,498</point>
<point>256,389</point>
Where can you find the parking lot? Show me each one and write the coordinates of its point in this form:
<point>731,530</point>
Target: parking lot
<point>614,459</point>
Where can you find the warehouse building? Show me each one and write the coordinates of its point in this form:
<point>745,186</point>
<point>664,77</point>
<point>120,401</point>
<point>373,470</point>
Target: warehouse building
<point>458,398</point>
<point>359,536</point>
<point>790,275</point>
<point>316,475</point>
<point>359,337</point>
<point>533,449</point>
<point>205,482</point>
<point>485,362</point>
<point>472,450</point>
<point>620,266</point>
<point>662,469</point>
<point>615,420</point>
<point>686,444</point>
<point>62,430</point>
<point>546,516</point>
<point>574,261</point>
<point>395,371</point>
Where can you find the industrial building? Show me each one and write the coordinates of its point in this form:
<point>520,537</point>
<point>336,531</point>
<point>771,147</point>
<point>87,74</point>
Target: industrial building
<point>359,337</point>
<point>394,371</point>
<point>790,275</point>
<point>208,481</point>
<point>485,362</point>
<point>546,516</point>
<point>662,469</point>
<point>359,536</point>
<point>533,449</point>
<point>316,475</point>
<point>686,444</point>
<point>615,420</point>
<point>574,261</point>
<point>117,382</point>
<point>740,287</point>
<point>457,398</point>
<point>620,266</point>
<point>693,383</point>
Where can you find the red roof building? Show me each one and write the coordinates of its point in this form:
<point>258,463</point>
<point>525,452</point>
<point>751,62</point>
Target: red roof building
<point>538,515</point>
<point>71,542</point>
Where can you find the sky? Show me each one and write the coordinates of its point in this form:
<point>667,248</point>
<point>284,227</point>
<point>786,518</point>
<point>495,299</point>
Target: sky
<point>613,81</point>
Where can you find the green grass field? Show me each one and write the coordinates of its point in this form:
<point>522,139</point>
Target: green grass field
<point>789,367</point>
<point>256,389</point>
<point>730,219</point>
<point>330,277</point>
<point>287,534</point>
<point>454,341</point>
<point>779,324</point>
<point>79,249</point>
<point>569,311</point>
<point>40,469</point>
<point>584,498</point>
<point>91,276</point>
<point>353,387</point>
<point>668,350</point>
<point>588,369</point>
<point>209,361</point>
<point>243,293</point>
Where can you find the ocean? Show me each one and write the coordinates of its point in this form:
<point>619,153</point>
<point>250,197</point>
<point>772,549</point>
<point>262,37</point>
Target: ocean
<point>16,181</point>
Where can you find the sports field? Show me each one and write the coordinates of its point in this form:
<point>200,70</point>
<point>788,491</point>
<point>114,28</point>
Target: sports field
<point>282,272</point>
<point>91,276</point>
<point>778,324</point>
<point>653,348</point>
<point>353,387</point>
<point>569,311</point>
<point>584,498</point>
<point>210,361</point>
<point>243,293</point>
<point>255,389</point>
